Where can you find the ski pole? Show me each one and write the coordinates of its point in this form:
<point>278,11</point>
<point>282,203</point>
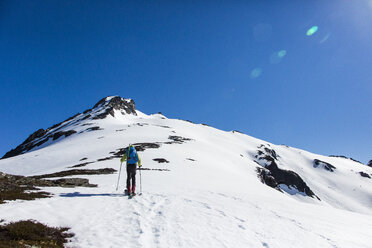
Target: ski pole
<point>117,185</point>
<point>140,182</point>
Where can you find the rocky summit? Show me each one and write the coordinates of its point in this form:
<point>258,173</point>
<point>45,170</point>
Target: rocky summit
<point>105,107</point>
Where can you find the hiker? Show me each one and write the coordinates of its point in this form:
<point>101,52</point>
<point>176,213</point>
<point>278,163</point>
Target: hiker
<point>132,158</point>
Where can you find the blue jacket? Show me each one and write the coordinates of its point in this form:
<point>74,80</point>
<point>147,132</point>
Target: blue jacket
<point>131,156</point>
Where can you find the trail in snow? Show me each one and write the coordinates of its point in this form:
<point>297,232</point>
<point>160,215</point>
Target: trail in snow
<point>191,219</point>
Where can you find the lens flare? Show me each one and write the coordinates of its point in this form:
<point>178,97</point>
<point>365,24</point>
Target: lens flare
<point>312,30</point>
<point>277,57</point>
<point>325,38</point>
<point>256,72</point>
<point>282,53</point>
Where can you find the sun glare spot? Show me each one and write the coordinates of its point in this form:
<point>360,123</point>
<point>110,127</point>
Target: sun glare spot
<point>312,30</point>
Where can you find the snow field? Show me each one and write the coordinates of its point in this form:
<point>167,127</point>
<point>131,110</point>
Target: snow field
<point>214,201</point>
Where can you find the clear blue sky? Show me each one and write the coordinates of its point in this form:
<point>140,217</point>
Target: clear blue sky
<point>243,65</point>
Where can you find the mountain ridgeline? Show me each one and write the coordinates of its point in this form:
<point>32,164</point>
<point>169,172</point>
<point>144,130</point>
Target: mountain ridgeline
<point>274,165</point>
<point>103,108</point>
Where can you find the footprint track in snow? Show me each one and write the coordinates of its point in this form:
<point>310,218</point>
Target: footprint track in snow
<point>151,217</point>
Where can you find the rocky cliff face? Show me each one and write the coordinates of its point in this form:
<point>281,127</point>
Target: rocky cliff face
<point>101,110</point>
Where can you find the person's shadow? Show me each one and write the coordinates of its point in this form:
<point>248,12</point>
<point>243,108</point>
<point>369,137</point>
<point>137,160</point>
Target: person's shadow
<point>78,194</point>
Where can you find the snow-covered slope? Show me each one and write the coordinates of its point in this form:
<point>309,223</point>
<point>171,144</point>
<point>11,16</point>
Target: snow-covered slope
<point>213,189</point>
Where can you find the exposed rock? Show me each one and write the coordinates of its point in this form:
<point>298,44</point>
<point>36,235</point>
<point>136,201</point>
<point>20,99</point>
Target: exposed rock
<point>83,159</point>
<point>177,139</point>
<point>106,158</point>
<point>236,131</point>
<point>63,133</point>
<point>189,121</point>
<point>191,159</point>
<point>14,187</point>
<point>65,123</point>
<point>81,165</point>
<point>141,124</point>
<point>370,163</point>
<point>87,124</point>
<point>67,182</point>
<point>267,178</point>
<point>363,174</point>
<point>161,160</point>
<point>141,168</point>
<point>39,133</point>
<point>273,176</point>
<point>93,129</point>
<point>327,166</point>
<point>140,147</point>
<point>162,126</point>
<point>86,117</point>
<point>115,103</point>
<point>76,172</point>
<point>87,111</point>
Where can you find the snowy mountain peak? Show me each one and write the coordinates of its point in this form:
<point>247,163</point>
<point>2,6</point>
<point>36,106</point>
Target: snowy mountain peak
<point>111,103</point>
<point>108,106</point>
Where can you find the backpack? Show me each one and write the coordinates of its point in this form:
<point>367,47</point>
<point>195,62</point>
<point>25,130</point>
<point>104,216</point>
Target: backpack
<point>132,156</point>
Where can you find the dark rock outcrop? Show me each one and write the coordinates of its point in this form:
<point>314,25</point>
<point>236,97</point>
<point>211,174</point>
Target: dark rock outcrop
<point>63,133</point>
<point>267,178</point>
<point>363,174</point>
<point>95,128</point>
<point>76,172</point>
<point>115,103</point>
<point>140,147</point>
<point>152,169</point>
<point>14,187</point>
<point>81,165</point>
<point>161,160</point>
<point>370,163</point>
<point>271,175</point>
<point>327,166</point>
<point>177,139</point>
